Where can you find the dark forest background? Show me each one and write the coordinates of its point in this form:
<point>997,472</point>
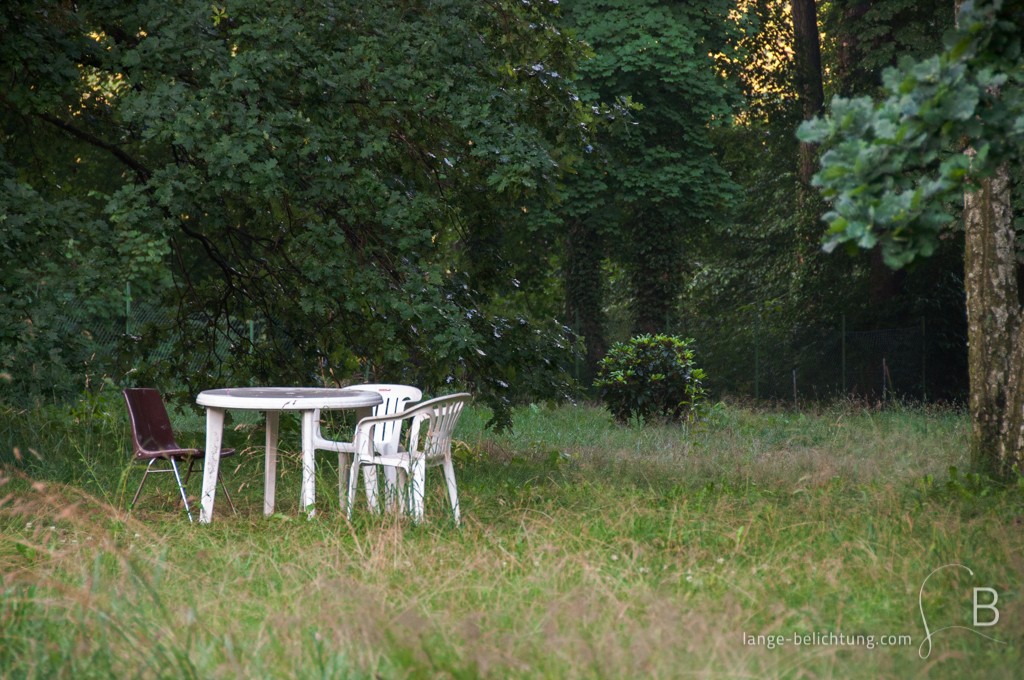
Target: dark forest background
<point>487,194</point>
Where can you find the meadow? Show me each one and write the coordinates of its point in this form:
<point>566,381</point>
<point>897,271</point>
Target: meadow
<point>588,550</point>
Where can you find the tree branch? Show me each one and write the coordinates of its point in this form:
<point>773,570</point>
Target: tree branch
<point>141,170</point>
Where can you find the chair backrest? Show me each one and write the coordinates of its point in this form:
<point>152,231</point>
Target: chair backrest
<point>440,416</point>
<point>151,427</point>
<point>395,399</point>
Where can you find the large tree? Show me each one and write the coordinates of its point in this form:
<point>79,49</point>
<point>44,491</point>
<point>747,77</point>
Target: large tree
<point>655,175</point>
<point>322,166</point>
<point>949,128</point>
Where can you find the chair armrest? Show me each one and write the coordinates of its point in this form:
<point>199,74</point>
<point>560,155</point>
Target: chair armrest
<point>363,442</point>
<point>321,444</point>
<point>423,411</point>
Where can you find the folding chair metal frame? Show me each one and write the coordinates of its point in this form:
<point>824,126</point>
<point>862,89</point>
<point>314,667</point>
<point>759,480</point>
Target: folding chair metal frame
<point>153,440</point>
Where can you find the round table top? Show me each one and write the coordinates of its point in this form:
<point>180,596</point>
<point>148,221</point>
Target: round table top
<point>287,398</point>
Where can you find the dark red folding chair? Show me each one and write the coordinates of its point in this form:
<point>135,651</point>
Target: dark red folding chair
<point>153,440</point>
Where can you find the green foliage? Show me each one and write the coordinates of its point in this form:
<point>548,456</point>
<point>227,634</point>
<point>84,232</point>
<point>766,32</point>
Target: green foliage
<point>652,182</point>
<point>513,360</point>
<point>860,39</point>
<point>403,186</point>
<point>650,376</point>
<point>329,167</point>
<point>892,169</point>
<point>60,263</point>
<point>765,258</point>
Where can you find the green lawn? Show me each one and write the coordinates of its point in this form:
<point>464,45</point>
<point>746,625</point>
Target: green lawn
<point>588,550</point>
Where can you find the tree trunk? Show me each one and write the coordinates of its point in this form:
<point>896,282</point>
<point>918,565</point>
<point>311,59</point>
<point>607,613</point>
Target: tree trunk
<point>994,329</point>
<point>849,79</point>
<point>584,290</point>
<point>807,50</point>
<point>884,284</point>
<point>654,273</point>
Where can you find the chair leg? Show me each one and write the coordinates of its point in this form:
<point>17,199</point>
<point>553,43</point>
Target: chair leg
<point>343,466</point>
<point>390,488</point>
<point>225,487</point>
<point>400,499</point>
<point>353,479</point>
<point>139,490</point>
<point>419,478</point>
<point>370,482</point>
<point>191,462</point>
<point>453,491</point>
<point>181,488</point>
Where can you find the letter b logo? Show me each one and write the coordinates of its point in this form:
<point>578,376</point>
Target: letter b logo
<point>991,605</point>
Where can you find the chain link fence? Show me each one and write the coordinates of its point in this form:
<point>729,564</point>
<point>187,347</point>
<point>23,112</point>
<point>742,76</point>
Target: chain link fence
<point>794,365</point>
<point>107,336</point>
<point>807,364</point>
<point>823,364</point>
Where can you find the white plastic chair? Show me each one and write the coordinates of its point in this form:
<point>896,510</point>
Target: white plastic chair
<point>440,416</point>
<point>385,439</point>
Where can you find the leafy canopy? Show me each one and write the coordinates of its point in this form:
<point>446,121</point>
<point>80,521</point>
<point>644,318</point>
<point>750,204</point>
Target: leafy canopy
<point>667,64</point>
<point>320,166</point>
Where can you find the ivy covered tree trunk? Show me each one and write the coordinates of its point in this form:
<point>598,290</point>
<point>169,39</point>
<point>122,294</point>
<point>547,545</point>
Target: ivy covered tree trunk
<point>654,273</point>
<point>995,331</point>
<point>656,172</point>
<point>584,289</point>
<point>849,51</point>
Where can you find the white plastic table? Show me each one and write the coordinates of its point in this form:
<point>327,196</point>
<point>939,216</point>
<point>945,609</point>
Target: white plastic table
<point>273,400</point>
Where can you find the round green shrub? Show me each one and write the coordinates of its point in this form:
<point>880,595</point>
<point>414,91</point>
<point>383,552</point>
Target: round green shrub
<point>650,376</point>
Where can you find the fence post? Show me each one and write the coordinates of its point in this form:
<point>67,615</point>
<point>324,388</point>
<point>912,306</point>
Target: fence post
<point>576,353</point>
<point>252,337</point>
<point>844,354</point>
<point>757,367</point>
<point>924,354</point>
<point>127,306</point>
<point>795,407</point>
<point>884,371</point>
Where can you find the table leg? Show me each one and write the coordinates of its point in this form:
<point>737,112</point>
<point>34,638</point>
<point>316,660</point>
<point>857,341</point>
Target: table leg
<point>214,434</point>
<point>308,495</point>
<point>270,466</point>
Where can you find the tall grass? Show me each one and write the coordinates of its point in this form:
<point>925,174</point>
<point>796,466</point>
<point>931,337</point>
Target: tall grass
<point>588,550</point>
